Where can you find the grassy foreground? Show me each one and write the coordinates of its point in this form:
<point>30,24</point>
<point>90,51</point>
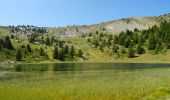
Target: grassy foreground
<point>147,84</point>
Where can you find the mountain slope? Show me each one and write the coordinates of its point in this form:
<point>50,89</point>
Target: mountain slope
<point>115,26</point>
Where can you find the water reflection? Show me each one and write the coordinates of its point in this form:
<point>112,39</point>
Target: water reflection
<point>70,69</point>
<point>83,67</point>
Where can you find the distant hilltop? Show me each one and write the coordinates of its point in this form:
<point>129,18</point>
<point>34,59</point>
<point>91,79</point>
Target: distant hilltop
<point>113,27</point>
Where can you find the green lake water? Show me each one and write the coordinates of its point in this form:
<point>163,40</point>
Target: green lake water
<point>84,81</point>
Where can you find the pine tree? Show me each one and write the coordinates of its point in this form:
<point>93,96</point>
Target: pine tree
<point>55,53</point>
<point>1,43</point>
<point>47,41</point>
<point>60,44</point>
<point>29,48</point>
<point>127,42</point>
<point>18,55</point>
<point>61,55</point>
<point>66,49</point>
<point>158,47</point>
<point>72,52</point>
<point>52,40</point>
<point>140,49</point>
<point>42,52</point>
<point>80,53</point>
<point>131,52</point>
<point>151,42</point>
<point>122,38</point>
<point>8,43</point>
<point>115,48</point>
<point>141,40</point>
<point>32,38</point>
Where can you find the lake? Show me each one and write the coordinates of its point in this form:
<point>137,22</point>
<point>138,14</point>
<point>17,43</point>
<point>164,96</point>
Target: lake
<point>85,81</point>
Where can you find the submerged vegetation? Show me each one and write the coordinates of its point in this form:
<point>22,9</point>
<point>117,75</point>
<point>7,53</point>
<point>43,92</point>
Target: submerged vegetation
<point>89,83</point>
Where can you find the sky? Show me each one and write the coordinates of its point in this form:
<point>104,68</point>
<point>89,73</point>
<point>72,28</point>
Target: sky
<point>54,13</point>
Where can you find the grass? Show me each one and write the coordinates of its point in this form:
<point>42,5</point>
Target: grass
<point>147,84</point>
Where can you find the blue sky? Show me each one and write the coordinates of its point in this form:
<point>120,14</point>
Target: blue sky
<point>79,12</point>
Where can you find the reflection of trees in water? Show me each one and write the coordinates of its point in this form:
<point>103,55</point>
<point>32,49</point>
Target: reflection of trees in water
<point>80,67</point>
<point>31,68</point>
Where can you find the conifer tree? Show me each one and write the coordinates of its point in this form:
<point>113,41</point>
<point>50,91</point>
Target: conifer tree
<point>42,52</point>
<point>61,55</point>
<point>47,41</point>
<point>140,49</point>
<point>8,43</point>
<point>29,48</point>
<point>80,53</point>
<point>55,53</point>
<point>151,42</point>
<point>131,52</point>
<point>72,52</point>
<point>66,49</point>
<point>18,55</point>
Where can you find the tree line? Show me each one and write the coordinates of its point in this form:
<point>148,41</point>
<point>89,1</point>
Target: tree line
<point>61,54</point>
<point>5,42</point>
<point>129,43</point>
<point>27,29</point>
<point>62,50</point>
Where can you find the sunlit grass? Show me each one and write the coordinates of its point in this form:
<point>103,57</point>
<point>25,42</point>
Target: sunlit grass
<point>107,85</point>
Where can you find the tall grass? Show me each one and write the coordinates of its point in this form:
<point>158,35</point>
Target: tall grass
<point>93,85</point>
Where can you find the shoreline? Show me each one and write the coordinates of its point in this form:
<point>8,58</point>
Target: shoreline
<point>74,62</point>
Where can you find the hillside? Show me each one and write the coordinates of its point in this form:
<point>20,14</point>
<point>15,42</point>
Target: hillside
<point>115,26</point>
<point>102,42</point>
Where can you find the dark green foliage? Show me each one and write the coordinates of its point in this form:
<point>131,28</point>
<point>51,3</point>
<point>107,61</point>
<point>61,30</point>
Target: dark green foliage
<point>136,30</point>
<point>109,43</point>
<point>2,43</point>
<point>158,48</point>
<point>127,42</point>
<point>52,39</point>
<point>140,49</point>
<point>131,52</point>
<point>72,52</point>
<point>141,40</point>
<point>66,49</point>
<point>61,55</point>
<point>115,49</point>
<point>47,41</point>
<point>12,36</point>
<point>122,50</point>
<point>101,48</point>
<point>151,42</point>
<point>8,43</point>
<point>80,53</point>
<point>32,38</point>
<point>88,40</point>
<point>42,52</point>
<point>60,44</point>
<point>122,38</point>
<point>55,53</point>
<point>29,48</point>
<point>18,55</point>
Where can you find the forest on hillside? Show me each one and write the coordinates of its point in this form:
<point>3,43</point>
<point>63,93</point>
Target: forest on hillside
<point>156,39</point>
<point>38,44</point>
